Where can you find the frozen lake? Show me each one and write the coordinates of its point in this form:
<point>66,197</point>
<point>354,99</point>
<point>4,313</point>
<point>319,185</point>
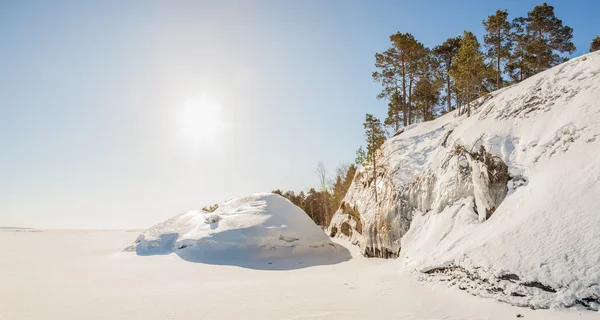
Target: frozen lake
<point>84,274</point>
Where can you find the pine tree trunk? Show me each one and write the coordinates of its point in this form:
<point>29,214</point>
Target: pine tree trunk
<point>539,60</point>
<point>410,84</point>
<point>324,222</point>
<point>498,48</point>
<point>404,111</point>
<point>449,97</point>
<point>468,99</point>
<point>457,96</point>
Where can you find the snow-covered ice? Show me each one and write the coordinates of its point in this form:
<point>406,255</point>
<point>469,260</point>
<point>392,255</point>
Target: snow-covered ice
<point>85,274</point>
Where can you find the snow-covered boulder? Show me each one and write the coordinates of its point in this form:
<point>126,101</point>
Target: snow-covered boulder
<point>503,203</point>
<point>250,228</point>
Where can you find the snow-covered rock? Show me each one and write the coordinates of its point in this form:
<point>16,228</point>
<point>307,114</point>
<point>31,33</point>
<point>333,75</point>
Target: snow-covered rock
<point>505,203</point>
<point>250,228</point>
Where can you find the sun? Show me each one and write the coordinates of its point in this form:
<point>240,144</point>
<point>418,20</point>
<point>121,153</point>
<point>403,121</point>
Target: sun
<point>199,120</point>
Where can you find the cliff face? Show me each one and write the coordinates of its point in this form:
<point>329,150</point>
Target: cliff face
<point>461,173</point>
<point>514,189</point>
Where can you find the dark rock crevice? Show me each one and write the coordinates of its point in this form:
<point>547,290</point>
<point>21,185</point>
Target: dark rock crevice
<point>535,284</point>
<point>472,281</point>
<point>374,252</point>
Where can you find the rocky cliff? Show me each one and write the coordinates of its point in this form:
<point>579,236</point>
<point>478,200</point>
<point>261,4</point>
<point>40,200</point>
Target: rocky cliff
<point>506,200</point>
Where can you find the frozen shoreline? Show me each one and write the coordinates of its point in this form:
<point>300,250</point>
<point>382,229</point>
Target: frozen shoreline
<point>75,274</point>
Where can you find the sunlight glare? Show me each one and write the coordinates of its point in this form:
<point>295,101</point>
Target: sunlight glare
<point>200,121</point>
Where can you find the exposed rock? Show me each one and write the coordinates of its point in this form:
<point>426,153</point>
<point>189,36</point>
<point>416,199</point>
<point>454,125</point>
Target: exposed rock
<point>535,284</point>
<point>512,187</point>
<point>346,229</point>
<point>462,174</point>
<point>506,288</point>
<point>333,231</point>
<point>510,277</point>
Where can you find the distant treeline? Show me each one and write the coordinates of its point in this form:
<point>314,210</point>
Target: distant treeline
<point>321,204</point>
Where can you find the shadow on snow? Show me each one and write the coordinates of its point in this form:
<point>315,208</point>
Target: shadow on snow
<point>221,249</point>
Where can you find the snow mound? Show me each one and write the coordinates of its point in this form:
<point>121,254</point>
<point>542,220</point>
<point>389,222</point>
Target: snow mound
<point>504,203</point>
<point>243,230</point>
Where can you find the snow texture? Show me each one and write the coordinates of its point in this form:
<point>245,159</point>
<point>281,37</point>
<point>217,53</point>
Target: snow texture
<point>503,204</point>
<point>84,274</point>
<point>244,231</point>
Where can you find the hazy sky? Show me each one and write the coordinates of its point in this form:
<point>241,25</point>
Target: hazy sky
<point>119,114</point>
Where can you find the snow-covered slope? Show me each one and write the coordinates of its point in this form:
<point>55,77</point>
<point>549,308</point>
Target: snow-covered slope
<point>504,203</point>
<point>243,230</point>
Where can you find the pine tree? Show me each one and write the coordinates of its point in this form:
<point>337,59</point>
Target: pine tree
<point>312,205</point>
<point>548,37</point>
<point>395,115</point>
<point>488,81</point>
<point>416,57</point>
<point>427,95</point>
<point>349,177</point>
<point>361,156</point>
<point>344,176</point>
<point>498,41</point>
<point>302,200</point>
<point>595,45</point>
<point>428,86</point>
<point>398,66</point>
<point>521,62</point>
<point>469,69</point>
<point>446,53</point>
<point>375,135</point>
<point>321,173</point>
<point>295,199</point>
<point>338,190</point>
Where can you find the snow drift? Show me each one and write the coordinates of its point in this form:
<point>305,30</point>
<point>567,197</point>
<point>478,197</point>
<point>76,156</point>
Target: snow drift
<point>244,231</point>
<point>503,204</point>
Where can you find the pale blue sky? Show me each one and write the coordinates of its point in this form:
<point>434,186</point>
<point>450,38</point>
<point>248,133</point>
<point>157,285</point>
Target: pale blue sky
<point>91,95</point>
